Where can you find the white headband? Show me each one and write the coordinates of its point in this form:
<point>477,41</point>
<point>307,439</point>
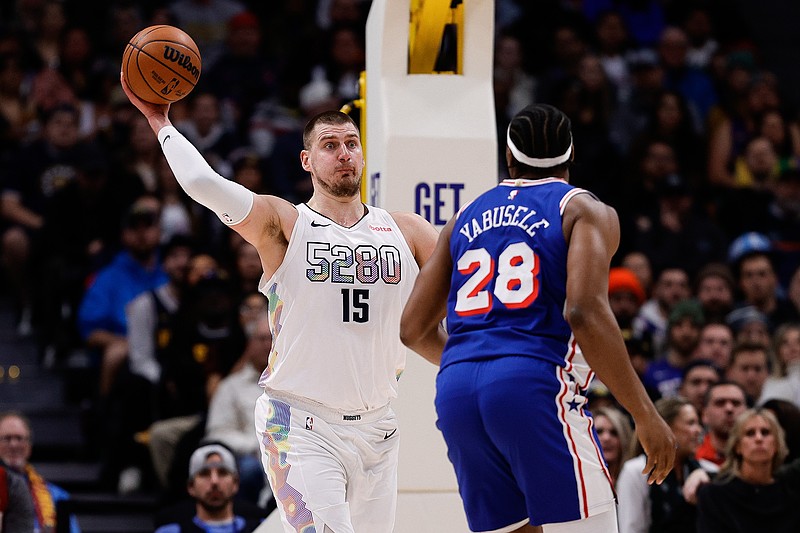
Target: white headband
<point>534,161</point>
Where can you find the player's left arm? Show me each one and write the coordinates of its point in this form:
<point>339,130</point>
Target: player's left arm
<point>420,326</point>
<point>592,231</point>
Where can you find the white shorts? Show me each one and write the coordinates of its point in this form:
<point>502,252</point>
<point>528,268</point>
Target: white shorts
<point>328,468</point>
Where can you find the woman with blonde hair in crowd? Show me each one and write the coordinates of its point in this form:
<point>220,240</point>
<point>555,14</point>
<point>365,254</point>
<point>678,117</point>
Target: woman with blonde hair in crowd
<point>784,383</point>
<point>749,494</point>
<point>615,433</point>
<point>645,508</point>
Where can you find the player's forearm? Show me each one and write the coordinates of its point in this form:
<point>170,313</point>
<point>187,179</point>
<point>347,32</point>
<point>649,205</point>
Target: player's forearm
<point>604,350</point>
<point>429,345</point>
<point>228,199</point>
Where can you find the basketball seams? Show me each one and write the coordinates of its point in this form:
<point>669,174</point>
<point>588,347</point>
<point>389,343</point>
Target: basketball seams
<point>173,59</point>
<point>144,33</point>
<point>166,65</point>
<point>147,84</point>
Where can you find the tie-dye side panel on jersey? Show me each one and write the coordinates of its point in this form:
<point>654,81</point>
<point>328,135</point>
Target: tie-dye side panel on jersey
<point>277,445</point>
<point>275,310</point>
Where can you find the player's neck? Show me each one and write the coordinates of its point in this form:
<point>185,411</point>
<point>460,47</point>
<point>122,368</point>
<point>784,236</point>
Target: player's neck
<point>343,211</point>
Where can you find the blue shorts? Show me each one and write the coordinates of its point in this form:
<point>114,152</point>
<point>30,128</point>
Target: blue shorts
<point>522,444</point>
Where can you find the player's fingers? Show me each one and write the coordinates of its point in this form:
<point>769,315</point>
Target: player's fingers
<point>659,465</point>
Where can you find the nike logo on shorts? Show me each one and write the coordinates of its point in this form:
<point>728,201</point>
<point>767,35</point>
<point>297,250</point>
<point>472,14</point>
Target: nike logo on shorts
<point>315,224</point>
<point>392,432</point>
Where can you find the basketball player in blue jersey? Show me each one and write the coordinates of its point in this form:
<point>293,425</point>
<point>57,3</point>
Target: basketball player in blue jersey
<point>336,273</point>
<point>521,274</point>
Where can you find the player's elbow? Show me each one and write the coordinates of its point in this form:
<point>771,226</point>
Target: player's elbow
<point>579,316</point>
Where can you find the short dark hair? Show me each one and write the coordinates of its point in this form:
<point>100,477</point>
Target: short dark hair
<point>326,117</point>
<point>722,383</point>
<point>541,131</point>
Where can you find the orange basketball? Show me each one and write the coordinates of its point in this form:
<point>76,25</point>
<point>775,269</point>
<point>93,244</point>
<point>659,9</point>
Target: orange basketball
<point>161,64</point>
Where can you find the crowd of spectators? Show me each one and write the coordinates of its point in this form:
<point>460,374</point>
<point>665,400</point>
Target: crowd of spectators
<point>680,127</point>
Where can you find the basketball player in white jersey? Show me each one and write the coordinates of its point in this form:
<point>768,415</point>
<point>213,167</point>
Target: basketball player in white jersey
<point>337,273</point>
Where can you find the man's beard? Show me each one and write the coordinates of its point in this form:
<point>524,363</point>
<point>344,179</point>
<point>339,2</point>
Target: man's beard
<point>345,188</point>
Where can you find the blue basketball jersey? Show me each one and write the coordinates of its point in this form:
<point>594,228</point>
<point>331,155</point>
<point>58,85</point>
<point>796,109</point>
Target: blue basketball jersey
<point>508,286</point>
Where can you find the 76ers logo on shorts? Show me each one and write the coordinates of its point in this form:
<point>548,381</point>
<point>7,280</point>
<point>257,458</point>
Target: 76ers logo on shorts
<point>309,422</point>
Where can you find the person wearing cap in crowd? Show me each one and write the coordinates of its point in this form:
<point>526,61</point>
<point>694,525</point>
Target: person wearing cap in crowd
<point>625,295</point>
<point>529,323</point>
<point>213,484</point>
<point>749,325</point>
<point>683,333</point>
<point>715,289</point>
<point>751,255</point>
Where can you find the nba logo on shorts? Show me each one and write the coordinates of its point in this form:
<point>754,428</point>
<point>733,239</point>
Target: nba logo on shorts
<point>309,422</point>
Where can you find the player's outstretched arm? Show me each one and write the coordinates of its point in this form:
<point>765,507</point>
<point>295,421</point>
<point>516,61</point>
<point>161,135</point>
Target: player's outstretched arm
<point>592,231</point>
<point>420,325</point>
<point>263,221</point>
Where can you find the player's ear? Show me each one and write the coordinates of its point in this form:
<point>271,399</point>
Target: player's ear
<point>304,161</point>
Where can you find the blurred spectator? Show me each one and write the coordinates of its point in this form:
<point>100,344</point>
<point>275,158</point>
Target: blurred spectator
<point>213,484</point>
<point>693,83</point>
<point>230,412</point>
<point>17,111</point>
<point>513,86</point>
<point>784,383</point>
<point>788,415</point>
<point>247,270</point>
<point>714,288</point>
<point>683,332</point>
<point>612,43</point>
<point>644,507</point>
<point>679,231</point>
<point>749,494</point>
<point>29,180</point>
<point>715,344</point>
<point>699,31</point>
<point>205,128</point>
<point>758,281</point>
<point>206,343</point>
<point>671,286</point>
<point>207,22</point>
<point>17,515</point>
<point>626,296</point>
<point>749,325</point>
<point>101,317</point>
<point>749,368</point>
<point>244,74</point>
<point>698,376</point>
<point>669,120</point>
<point>590,102</point>
<point>724,401</point>
<point>81,234</point>
<point>640,264</point>
<point>645,18</point>
<point>16,446</point>
<point>615,433</point>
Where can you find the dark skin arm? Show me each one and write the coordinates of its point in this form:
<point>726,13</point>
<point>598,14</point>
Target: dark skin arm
<point>592,231</point>
<point>420,325</point>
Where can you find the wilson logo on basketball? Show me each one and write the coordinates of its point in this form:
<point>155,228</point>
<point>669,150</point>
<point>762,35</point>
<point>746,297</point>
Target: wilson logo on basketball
<point>182,60</point>
<point>379,228</point>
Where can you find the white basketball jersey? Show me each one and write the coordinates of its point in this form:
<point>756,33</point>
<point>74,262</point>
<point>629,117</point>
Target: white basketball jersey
<point>334,307</point>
